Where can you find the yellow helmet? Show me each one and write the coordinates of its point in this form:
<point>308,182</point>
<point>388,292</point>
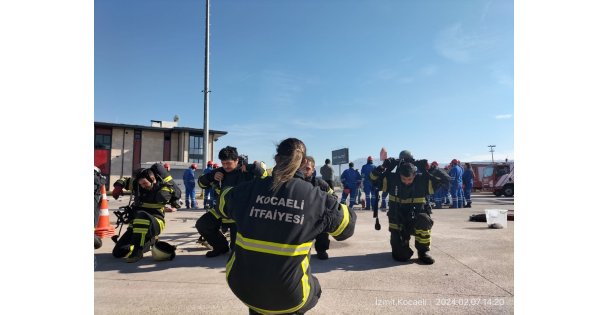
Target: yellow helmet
<point>163,251</point>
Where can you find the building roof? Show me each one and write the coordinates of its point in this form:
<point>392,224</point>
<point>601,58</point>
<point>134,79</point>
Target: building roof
<point>189,129</point>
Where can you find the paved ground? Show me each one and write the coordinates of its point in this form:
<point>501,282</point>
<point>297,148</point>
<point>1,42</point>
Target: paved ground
<point>473,273</point>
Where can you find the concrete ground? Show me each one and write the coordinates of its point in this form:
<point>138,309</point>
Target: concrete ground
<point>473,272</point>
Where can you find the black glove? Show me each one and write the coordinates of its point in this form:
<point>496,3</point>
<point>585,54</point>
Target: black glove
<point>422,164</point>
<point>389,164</point>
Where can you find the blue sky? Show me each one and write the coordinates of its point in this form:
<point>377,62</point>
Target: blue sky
<point>433,77</point>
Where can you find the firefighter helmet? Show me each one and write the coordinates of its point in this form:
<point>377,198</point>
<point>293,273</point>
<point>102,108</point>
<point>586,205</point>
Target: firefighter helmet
<point>209,163</point>
<point>434,163</point>
<point>163,251</point>
<point>194,166</point>
<point>369,158</point>
<point>454,162</point>
<point>406,155</point>
<point>167,166</point>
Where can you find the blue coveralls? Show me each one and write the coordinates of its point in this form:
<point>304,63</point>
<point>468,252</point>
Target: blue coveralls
<point>209,192</point>
<point>190,183</point>
<point>456,187</point>
<point>351,179</point>
<point>467,182</point>
<point>368,188</point>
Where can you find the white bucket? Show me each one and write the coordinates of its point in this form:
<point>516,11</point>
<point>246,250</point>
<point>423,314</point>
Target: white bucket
<point>496,218</point>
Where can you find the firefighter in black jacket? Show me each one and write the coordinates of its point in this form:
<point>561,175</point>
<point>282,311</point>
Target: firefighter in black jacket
<point>152,188</point>
<point>233,172</point>
<point>322,240</point>
<point>278,217</point>
<point>409,212</point>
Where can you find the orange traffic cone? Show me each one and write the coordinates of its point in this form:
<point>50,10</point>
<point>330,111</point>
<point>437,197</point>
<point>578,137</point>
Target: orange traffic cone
<point>104,229</point>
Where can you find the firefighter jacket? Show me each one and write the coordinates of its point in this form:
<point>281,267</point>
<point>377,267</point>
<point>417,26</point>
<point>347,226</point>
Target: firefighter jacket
<point>153,201</point>
<point>323,185</point>
<point>269,268</point>
<point>231,179</point>
<point>405,201</point>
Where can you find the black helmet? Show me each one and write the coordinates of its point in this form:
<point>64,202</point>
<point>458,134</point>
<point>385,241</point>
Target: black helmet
<point>406,155</point>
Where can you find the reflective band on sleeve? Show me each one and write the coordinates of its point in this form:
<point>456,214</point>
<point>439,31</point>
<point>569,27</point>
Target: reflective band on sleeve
<point>344,223</point>
<point>271,247</point>
<point>223,201</point>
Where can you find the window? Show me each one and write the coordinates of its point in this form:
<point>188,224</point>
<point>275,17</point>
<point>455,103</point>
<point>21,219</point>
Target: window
<point>488,171</point>
<point>195,149</point>
<point>103,141</point>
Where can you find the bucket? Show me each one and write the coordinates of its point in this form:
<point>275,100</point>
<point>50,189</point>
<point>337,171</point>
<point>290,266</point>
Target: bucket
<point>496,218</point>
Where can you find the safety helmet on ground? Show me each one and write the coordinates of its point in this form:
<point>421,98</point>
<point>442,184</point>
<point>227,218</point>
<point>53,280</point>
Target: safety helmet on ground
<point>163,251</point>
<point>194,166</point>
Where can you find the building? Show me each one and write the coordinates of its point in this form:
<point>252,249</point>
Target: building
<point>121,148</point>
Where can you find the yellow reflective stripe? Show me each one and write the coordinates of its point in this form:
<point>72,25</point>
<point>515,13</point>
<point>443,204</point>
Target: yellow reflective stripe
<point>272,247</point>
<point>384,184</point>
<point>305,285</point>
<point>431,190</point>
<point>140,230</point>
<point>212,211</point>
<point>305,294</point>
<point>161,223</point>
<point>229,265</point>
<point>344,223</point>
<point>228,221</point>
<point>423,240</point>
<point>423,232</point>
<point>394,226</point>
<point>265,174</point>
<point>167,189</point>
<point>330,191</point>
<point>407,200</point>
<point>372,176</point>
<point>168,178</point>
<point>223,201</point>
<point>141,221</point>
<point>152,205</point>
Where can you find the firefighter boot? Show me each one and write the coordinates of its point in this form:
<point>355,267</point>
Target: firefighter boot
<point>135,254</point>
<point>401,250</point>
<point>322,255</point>
<point>217,251</point>
<point>468,205</point>
<point>425,257</point>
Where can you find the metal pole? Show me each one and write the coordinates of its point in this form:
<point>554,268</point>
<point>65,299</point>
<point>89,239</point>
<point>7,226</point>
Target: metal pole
<point>206,90</point>
<point>492,151</point>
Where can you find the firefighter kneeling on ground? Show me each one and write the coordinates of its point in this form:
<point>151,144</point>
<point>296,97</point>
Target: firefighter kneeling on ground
<point>409,212</point>
<point>278,217</point>
<point>152,189</point>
